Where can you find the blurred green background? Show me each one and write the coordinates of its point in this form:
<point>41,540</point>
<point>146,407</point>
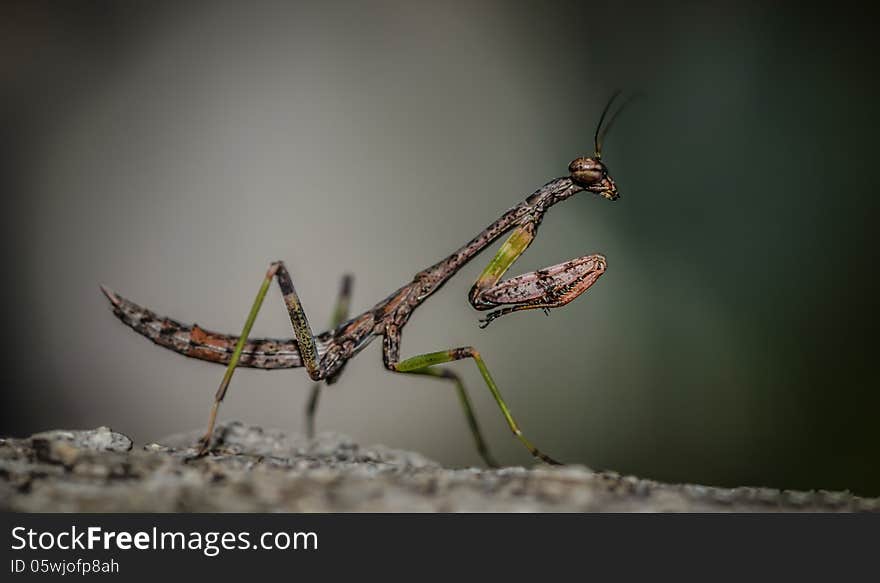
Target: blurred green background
<point>172,150</point>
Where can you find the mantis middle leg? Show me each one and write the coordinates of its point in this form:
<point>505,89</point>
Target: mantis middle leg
<point>301,329</point>
<point>422,364</point>
<point>340,315</point>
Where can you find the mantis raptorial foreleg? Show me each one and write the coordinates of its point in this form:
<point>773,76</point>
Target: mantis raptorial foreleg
<point>340,315</point>
<point>551,287</point>
<point>301,329</point>
<point>390,353</point>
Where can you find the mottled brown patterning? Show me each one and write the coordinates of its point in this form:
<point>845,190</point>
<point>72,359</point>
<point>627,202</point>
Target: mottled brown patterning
<point>351,336</point>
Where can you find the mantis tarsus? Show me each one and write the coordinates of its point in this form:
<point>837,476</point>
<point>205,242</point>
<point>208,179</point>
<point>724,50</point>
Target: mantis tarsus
<point>325,355</point>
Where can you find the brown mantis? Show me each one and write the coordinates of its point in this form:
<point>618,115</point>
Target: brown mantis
<point>324,355</point>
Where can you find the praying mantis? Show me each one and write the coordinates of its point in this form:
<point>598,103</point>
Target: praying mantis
<point>325,355</point>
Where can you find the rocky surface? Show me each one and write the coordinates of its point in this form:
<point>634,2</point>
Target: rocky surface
<point>258,470</point>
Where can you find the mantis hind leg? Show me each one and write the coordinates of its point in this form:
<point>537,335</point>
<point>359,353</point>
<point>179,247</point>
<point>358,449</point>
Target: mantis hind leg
<point>423,363</point>
<point>304,337</point>
<point>340,315</point>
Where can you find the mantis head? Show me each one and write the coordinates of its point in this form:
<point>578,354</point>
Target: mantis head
<point>592,174</point>
<point>589,172</point>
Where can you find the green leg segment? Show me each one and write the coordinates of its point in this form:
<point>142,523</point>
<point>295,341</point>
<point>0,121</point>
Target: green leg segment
<point>312,409</point>
<point>421,364</point>
<point>518,241</point>
<point>301,329</point>
<point>465,400</point>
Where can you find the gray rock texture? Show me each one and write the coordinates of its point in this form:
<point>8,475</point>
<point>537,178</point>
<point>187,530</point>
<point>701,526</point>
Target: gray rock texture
<point>251,469</point>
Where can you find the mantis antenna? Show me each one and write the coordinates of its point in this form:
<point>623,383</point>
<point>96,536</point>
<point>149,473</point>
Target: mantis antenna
<point>601,132</point>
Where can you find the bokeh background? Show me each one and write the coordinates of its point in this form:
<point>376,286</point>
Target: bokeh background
<point>172,150</point>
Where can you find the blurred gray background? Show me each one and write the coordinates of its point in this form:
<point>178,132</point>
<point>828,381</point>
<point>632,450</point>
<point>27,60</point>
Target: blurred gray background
<point>172,150</point>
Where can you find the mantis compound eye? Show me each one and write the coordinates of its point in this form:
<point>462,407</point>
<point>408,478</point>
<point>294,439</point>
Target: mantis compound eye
<point>586,171</point>
<point>592,175</point>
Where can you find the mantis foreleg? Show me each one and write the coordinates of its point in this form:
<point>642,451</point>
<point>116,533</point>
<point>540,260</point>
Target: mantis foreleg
<point>340,315</point>
<point>551,287</point>
<point>301,329</point>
